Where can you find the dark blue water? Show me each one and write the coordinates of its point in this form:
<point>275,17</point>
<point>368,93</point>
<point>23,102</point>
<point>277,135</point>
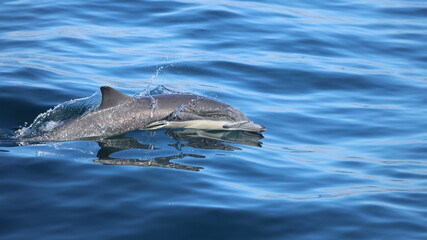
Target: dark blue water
<point>341,87</point>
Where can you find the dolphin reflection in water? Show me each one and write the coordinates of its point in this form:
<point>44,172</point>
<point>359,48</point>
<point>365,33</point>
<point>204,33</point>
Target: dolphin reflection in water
<point>195,138</point>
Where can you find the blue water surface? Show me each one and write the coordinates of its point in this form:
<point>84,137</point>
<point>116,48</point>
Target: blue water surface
<point>341,87</point>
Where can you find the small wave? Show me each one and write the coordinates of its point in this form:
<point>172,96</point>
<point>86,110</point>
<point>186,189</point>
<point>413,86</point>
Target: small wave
<point>58,115</point>
<point>73,109</point>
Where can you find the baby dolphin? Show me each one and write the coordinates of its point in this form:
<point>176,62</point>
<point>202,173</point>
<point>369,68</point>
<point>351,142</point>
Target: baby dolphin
<point>119,113</point>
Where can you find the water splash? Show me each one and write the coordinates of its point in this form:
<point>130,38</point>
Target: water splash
<point>175,113</point>
<point>76,108</point>
<point>153,106</point>
<point>59,115</point>
<point>160,89</point>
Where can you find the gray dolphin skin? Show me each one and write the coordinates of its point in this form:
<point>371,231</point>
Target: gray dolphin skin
<point>119,114</point>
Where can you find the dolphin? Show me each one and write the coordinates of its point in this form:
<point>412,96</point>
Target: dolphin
<point>119,114</point>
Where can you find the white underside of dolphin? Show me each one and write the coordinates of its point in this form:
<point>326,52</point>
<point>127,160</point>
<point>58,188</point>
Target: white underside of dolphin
<point>198,124</point>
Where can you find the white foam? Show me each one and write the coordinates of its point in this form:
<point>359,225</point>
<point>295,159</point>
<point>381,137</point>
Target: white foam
<point>50,125</point>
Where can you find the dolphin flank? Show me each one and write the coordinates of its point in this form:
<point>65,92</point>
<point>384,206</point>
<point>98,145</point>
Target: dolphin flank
<point>119,113</point>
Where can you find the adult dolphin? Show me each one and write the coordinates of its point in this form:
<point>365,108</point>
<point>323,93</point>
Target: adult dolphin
<point>119,113</point>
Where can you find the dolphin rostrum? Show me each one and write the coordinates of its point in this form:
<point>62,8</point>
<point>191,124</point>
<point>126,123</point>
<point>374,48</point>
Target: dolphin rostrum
<point>119,113</point>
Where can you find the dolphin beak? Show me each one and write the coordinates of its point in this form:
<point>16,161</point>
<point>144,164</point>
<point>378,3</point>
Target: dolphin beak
<point>252,127</point>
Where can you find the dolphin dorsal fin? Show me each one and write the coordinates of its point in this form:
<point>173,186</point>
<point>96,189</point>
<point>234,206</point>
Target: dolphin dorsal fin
<point>111,97</point>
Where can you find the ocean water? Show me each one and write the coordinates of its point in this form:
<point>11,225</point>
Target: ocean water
<point>341,87</point>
